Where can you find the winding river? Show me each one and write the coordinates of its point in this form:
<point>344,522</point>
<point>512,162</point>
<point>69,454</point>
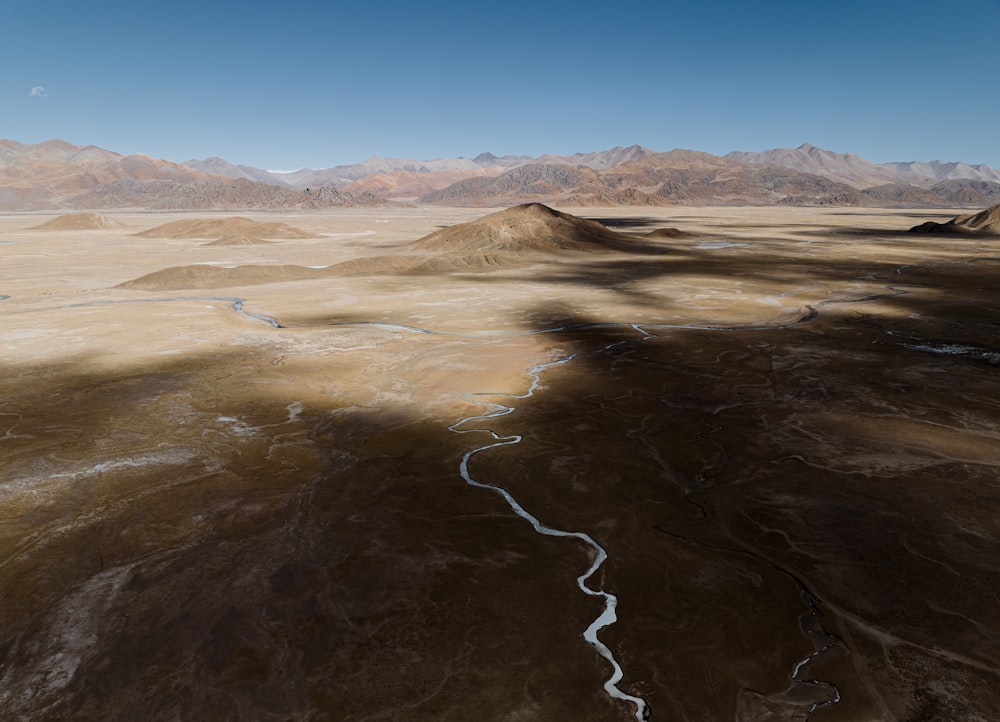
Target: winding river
<point>609,615</point>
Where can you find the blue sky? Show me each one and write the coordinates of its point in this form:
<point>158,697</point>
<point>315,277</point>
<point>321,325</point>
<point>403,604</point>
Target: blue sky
<point>314,84</point>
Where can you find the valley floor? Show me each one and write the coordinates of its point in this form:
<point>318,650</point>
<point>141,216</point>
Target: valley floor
<point>243,499</point>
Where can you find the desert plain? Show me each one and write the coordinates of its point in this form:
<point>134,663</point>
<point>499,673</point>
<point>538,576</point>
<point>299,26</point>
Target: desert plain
<point>235,466</point>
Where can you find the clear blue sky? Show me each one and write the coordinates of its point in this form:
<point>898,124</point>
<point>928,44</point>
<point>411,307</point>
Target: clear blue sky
<point>287,85</point>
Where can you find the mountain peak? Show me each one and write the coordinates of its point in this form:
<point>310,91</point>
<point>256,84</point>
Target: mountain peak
<point>58,144</point>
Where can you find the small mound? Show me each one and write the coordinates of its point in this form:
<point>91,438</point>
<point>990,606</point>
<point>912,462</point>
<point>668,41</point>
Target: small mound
<point>203,276</point>
<point>221,228</point>
<point>78,222</point>
<point>527,228</point>
<point>236,239</point>
<point>983,223</point>
<point>987,221</point>
<point>669,233</point>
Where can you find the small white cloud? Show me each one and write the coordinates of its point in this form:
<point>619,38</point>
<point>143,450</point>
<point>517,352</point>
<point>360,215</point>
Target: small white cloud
<point>38,92</point>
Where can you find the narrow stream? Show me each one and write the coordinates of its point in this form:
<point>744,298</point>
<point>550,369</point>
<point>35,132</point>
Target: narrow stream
<point>609,615</point>
<point>236,301</point>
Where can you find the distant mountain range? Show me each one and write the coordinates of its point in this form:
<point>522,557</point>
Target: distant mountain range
<point>860,173</point>
<point>411,175</point>
<point>58,175</point>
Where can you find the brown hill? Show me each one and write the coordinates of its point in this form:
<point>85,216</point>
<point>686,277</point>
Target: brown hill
<point>903,195</point>
<point>78,222</point>
<point>983,223</point>
<point>965,193</point>
<point>204,276</point>
<point>531,227</point>
<point>987,221</point>
<point>225,231</point>
<point>846,198</point>
<point>518,236</point>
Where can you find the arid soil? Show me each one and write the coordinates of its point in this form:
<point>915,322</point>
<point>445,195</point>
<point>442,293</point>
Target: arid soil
<point>234,491</point>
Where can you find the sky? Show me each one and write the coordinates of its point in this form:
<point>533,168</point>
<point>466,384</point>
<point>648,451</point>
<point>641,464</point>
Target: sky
<point>285,85</point>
